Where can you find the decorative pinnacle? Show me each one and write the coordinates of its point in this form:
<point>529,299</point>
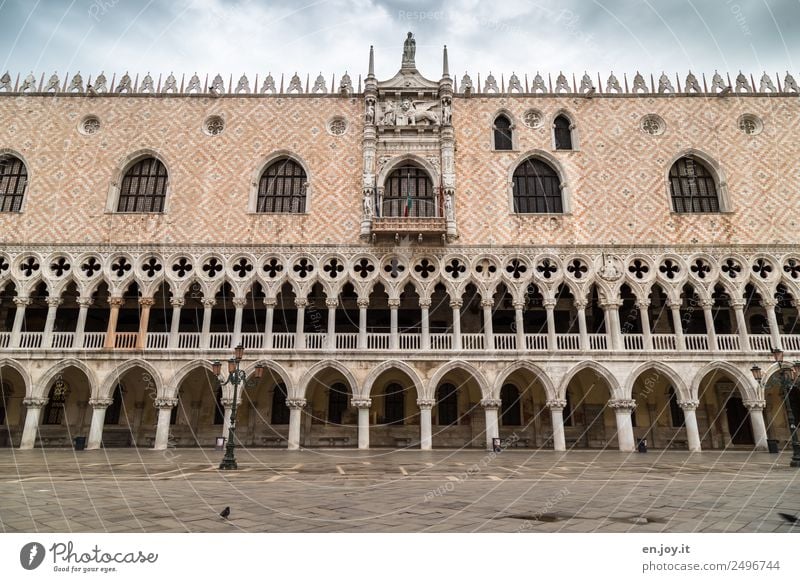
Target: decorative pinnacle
<point>445,65</point>
<point>371,62</point>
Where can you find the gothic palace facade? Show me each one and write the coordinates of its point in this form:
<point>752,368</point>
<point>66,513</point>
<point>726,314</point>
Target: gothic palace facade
<point>559,261</point>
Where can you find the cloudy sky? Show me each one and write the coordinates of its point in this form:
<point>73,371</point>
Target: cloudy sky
<point>331,36</point>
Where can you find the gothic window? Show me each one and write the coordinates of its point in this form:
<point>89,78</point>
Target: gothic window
<point>447,404</point>
<point>282,188</point>
<point>394,404</point>
<point>692,186</point>
<point>337,403</point>
<point>408,191</point>
<point>503,138</point>
<point>567,413</point>
<point>219,409</point>
<point>280,412</point>
<point>57,400</point>
<point>562,133</point>
<point>144,187</point>
<point>112,412</point>
<point>675,411</point>
<point>537,188</point>
<point>510,412</point>
<point>13,179</point>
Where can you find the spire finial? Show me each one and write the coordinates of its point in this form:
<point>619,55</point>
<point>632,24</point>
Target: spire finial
<point>445,64</point>
<point>371,62</point>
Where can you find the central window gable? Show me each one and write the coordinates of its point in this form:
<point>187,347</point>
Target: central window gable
<point>282,188</point>
<point>536,188</point>
<point>409,191</point>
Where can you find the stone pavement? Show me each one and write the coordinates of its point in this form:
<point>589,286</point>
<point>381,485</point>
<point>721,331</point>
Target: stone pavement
<point>181,490</point>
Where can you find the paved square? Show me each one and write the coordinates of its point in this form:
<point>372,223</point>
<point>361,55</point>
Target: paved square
<point>181,490</point>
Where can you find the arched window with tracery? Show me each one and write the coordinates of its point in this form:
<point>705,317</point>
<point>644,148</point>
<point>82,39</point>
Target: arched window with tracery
<point>503,133</point>
<point>562,133</point>
<point>536,188</point>
<point>13,180</point>
<point>510,409</point>
<point>282,188</point>
<point>692,186</point>
<point>56,402</point>
<point>409,192</point>
<point>447,404</point>
<point>144,187</point>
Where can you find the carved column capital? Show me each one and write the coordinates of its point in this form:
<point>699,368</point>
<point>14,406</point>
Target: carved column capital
<point>707,304</point>
<point>556,404</point>
<point>755,404</point>
<point>425,302</point>
<point>332,302</point>
<point>146,301</point>
<point>394,303</point>
<point>610,304</point>
<point>227,402</point>
<point>208,302</point>
<point>518,305</point>
<point>487,303</point>
<point>22,301</point>
<point>85,301</point>
<point>164,402</point>
<point>643,305</point>
<point>34,402</point>
<point>177,301</point>
<point>54,301</point>
<point>674,304</point>
<point>100,402</point>
<point>768,303</point>
<point>580,304</point>
<point>270,301</point>
<point>456,303</point>
<point>296,403</point>
<point>689,404</point>
<point>549,303</point>
<point>491,403</point>
<point>737,303</point>
<point>425,403</point>
<point>622,404</point>
<point>362,402</point>
<point>239,302</point>
<point>116,302</point>
<point>363,303</point>
<point>300,302</point>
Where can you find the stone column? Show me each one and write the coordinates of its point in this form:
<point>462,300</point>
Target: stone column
<point>19,319</point>
<point>31,427</point>
<point>425,423</point>
<point>50,322</point>
<point>300,335</point>
<point>611,313</point>
<point>144,320</point>
<point>295,416</point>
<point>774,332</point>
<point>394,334</point>
<point>490,408</point>
<point>83,303</point>
<point>708,315</point>
<point>164,406</point>
<point>456,307</point>
<point>557,416</point>
<point>741,324</point>
<point>644,317</point>
<point>238,304</point>
<point>756,409</point>
<point>580,306</point>
<point>675,308</point>
<point>363,304</point>
<point>269,303</point>
<point>175,327</point>
<point>623,409</point>
<point>205,334</point>
<point>115,303</point>
<point>99,406</point>
<point>488,328</point>
<point>330,339</point>
<point>425,338</point>
<point>227,405</point>
<point>692,432</point>
<point>519,324</point>
<point>550,305</point>
<point>363,405</point>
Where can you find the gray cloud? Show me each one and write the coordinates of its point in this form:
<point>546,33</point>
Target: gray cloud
<point>331,36</point>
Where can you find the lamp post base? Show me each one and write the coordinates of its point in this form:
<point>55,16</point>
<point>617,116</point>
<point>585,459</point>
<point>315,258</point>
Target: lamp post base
<point>794,462</point>
<point>228,464</point>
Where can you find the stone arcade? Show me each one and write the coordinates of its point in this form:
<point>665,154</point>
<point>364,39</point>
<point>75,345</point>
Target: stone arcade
<point>417,263</point>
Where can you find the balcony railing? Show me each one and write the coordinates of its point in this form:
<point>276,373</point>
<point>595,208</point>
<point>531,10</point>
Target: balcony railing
<point>406,341</point>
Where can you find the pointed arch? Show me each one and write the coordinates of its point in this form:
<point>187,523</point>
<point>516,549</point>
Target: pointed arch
<point>602,371</point>
<point>302,388</point>
<point>113,377</point>
<point>299,170</point>
<point>540,375</point>
<point>23,373</point>
<point>744,381</point>
<point>43,384</point>
<point>411,373</point>
<point>672,375</point>
<point>464,366</point>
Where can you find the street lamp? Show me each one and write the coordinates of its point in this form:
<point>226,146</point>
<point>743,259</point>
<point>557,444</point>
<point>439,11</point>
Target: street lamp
<point>236,377</point>
<point>787,380</point>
